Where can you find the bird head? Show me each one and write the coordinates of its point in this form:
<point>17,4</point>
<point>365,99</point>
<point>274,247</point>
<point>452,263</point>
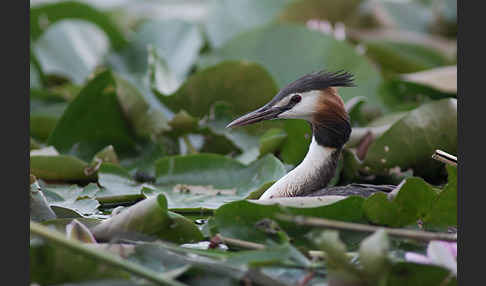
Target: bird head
<point>313,97</point>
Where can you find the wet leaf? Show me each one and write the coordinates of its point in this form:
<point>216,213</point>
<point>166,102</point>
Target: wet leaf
<point>417,135</point>
<point>412,203</point>
<point>39,207</point>
<point>70,201</point>
<point>209,180</point>
<point>52,166</point>
<point>444,208</point>
<point>237,219</point>
<point>149,217</point>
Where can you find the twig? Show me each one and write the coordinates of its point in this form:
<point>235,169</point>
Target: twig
<point>334,224</point>
<point>108,258</point>
<point>239,243</point>
<point>444,157</point>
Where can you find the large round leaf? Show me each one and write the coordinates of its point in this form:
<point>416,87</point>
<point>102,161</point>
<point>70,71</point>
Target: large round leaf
<point>44,15</point>
<point>177,42</point>
<point>71,49</point>
<point>290,51</point>
<point>228,18</point>
<point>92,121</point>
<point>411,141</point>
<point>246,86</point>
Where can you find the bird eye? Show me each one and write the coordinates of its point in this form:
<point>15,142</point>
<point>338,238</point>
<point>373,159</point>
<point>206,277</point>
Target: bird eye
<point>296,99</point>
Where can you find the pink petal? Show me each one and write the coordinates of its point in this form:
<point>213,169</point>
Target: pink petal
<point>417,258</point>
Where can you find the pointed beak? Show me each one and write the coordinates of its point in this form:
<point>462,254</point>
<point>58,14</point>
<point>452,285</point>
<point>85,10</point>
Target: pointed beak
<point>255,116</point>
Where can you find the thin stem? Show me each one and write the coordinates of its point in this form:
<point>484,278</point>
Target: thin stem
<point>239,243</point>
<point>109,258</point>
<point>334,224</point>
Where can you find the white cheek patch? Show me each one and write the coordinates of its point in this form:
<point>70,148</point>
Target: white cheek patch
<point>305,108</point>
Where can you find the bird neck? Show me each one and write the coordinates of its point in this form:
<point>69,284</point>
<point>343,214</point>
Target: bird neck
<point>313,173</point>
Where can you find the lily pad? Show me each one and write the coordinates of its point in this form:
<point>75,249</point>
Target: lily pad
<point>238,219</point>
<point>444,208</point>
<point>93,120</point>
<point>149,217</point>
<point>411,141</point>
<point>227,19</point>
<point>59,167</point>
<point>412,203</point>
<point>209,180</point>
<point>404,57</point>
<point>443,79</point>
<point>71,49</point>
<point>244,85</point>
<point>44,15</point>
<point>321,52</point>
<point>175,41</point>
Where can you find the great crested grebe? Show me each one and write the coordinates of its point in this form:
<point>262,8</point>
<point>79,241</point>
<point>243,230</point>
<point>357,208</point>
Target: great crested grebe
<point>314,98</point>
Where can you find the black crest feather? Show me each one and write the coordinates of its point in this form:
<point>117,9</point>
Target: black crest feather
<point>315,81</point>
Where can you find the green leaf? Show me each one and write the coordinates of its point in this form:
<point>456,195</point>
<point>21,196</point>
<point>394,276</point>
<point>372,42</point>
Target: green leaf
<point>50,264</point>
<point>93,120</point>
<point>412,203</point>
<point>411,15</point>
<point>227,19</point>
<point>72,201</point>
<point>373,253</point>
<point>145,113</point>
<point>35,76</point>
<point>271,140</point>
<point>175,41</point>
<point>149,217</point>
<point>344,11</point>
<point>208,180</point>
<point>411,141</point>
<point>321,52</point>
<point>245,86</point>
<point>335,249</point>
<point>71,49</point>
<point>238,219</point>
<point>44,15</point>
<point>444,208</point>
<point>117,184</point>
<point>443,79</point>
<point>43,119</point>
<point>162,79</point>
<point>77,230</point>
<point>296,145</point>
<point>401,94</point>
<point>39,207</point>
<point>52,166</point>
<point>404,57</point>
<point>406,273</point>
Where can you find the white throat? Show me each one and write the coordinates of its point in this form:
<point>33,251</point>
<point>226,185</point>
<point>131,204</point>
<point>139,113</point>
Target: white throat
<point>305,175</point>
